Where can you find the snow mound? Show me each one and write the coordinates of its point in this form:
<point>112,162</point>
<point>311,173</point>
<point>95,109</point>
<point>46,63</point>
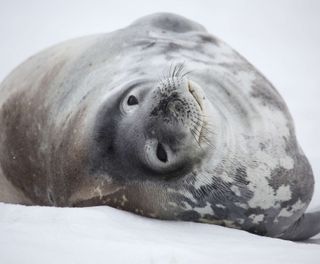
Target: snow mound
<point>37,234</point>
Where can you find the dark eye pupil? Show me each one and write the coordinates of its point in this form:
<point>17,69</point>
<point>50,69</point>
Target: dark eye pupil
<point>161,153</point>
<point>132,100</point>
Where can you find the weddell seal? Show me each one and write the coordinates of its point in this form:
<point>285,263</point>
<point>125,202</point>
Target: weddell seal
<point>161,119</point>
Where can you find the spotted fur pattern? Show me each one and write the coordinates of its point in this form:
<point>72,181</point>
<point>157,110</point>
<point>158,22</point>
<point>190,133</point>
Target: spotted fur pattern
<point>55,122</point>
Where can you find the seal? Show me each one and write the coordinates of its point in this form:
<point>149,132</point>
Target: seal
<point>161,119</point>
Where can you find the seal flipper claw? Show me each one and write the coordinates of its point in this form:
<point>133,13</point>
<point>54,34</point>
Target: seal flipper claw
<point>307,226</point>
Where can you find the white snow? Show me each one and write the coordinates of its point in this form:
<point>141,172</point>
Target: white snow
<point>280,38</point>
<point>106,235</point>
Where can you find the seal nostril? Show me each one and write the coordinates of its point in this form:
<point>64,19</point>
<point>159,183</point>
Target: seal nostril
<point>161,153</point>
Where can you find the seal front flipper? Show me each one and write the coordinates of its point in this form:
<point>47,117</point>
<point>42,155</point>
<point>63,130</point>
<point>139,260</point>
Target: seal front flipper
<point>307,226</point>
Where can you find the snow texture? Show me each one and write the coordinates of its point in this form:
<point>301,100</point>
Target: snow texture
<point>106,235</point>
<point>281,38</point>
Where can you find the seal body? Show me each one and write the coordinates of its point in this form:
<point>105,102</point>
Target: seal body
<point>161,119</point>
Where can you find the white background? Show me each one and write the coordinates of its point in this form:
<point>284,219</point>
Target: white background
<point>280,37</point>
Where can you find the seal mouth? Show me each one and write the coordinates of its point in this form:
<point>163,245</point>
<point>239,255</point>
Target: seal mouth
<point>199,97</point>
<point>193,89</point>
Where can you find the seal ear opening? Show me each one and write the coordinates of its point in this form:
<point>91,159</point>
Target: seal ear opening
<point>169,22</point>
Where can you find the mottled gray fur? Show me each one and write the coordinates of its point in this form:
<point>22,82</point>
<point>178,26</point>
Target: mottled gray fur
<point>69,137</point>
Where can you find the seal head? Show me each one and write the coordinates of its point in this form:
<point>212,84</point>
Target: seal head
<point>157,131</point>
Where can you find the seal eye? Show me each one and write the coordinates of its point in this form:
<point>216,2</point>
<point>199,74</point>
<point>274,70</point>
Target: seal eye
<point>132,100</point>
<point>161,153</point>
